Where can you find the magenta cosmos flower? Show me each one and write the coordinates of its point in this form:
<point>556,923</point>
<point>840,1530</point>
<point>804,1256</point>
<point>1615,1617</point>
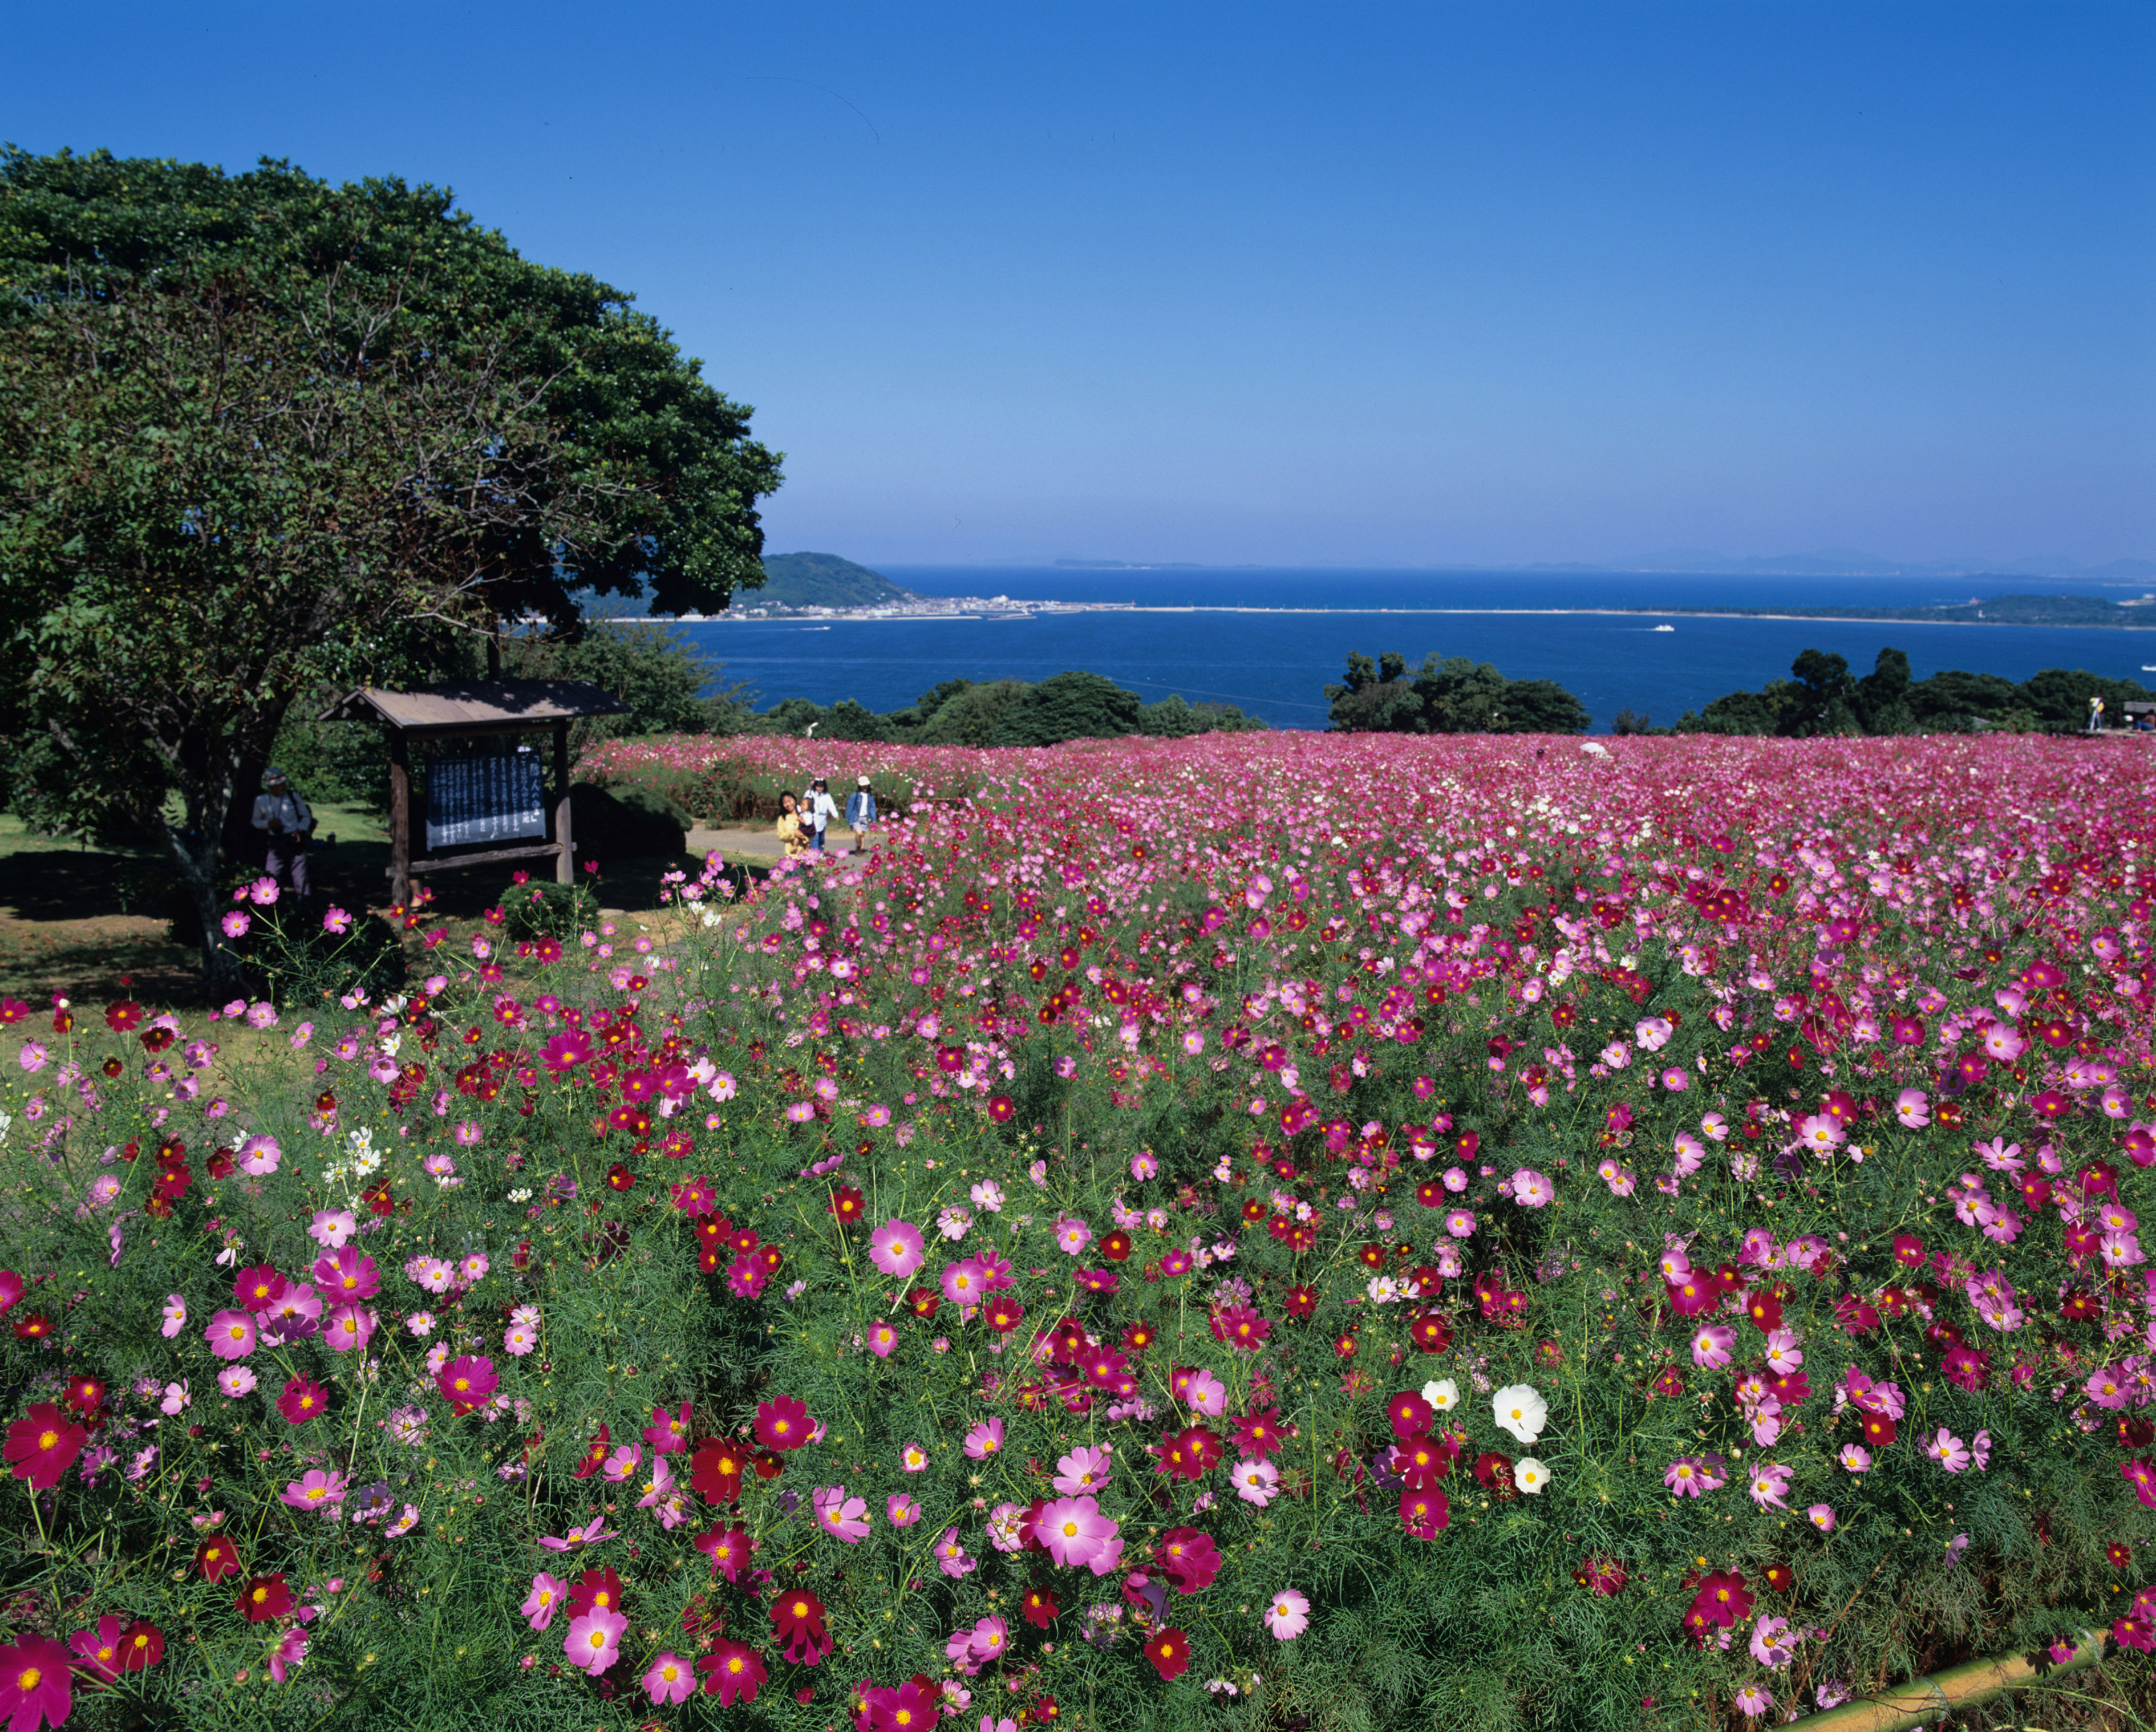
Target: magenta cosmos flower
<point>896,1249</point>
<point>35,1680</point>
<point>304,1399</point>
<point>783,1422</point>
<point>467,1384</point>
<point>1073,1530</point>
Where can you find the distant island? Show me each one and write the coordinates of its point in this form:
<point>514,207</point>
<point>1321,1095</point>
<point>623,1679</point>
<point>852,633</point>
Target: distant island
<point>1997,610</point>
<point>819,580</point>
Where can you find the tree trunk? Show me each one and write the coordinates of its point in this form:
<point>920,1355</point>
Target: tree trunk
<point>196,856</point>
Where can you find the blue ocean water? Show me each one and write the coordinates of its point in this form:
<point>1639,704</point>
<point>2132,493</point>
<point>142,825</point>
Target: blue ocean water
<point>1275,663</point>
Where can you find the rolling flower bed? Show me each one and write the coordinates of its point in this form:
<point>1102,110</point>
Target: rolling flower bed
<point>1247,1231</point>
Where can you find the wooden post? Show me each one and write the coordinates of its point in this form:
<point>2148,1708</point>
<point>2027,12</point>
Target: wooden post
<point>565,867</point>
<point>400,823</point>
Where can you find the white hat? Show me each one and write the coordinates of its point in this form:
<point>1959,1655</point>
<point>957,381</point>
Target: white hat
<point>860,782</point>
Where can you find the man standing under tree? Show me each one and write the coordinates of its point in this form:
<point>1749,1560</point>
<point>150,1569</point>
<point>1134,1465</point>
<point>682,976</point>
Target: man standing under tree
<point>288,824</point>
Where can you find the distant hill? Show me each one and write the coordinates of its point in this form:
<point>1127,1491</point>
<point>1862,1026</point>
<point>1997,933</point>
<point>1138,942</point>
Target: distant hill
<point>822,580</point>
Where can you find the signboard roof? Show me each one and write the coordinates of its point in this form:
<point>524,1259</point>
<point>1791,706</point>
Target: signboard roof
<point>475,703</point>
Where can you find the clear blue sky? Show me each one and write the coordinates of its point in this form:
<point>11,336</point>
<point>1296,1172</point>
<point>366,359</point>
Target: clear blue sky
<point>1319,284</point>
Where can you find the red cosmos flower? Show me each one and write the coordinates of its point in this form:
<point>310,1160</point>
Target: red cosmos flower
<point>1425,1514</point>
<point>1344,1345</point>
<point>33,1328</point>
<point>797,1619</point>
<point>846,1203</point>
<point>2118,1554</point>
<point>216,1558</point>
<point>1169,1651</point>
<point>1431,1194</point>
<point>1495,1472</point>
<point>1411,1415</point>
<point>1259,1434</point>
<point>264,1598</point>
<point>729,1548</point>
<point>1420,1462</point>
<point>1879,1429</point>
<point>35,1680</point>
<point>1431,1332</point>
<point>85,1394</point>
<point>123,1017</point>
<point>1116,1245</point>
<point>1189,1557</point>
<point>1601,1575</point>
<point>467,1383</point>
<point>924,1302</point>
<point>594,1455</point>
<point>1002,1315</point>
<point>598,1590</point>
<point>783,1423</point>
<point>620,1177</point>
<point>304,1399</point>
<point>2051,1105</point>
<point>1691,1295</point>
<point>1138,1336</point>
<point>43,1445</point>
<point>258,1289</point>
<point>1190,1453</point>
<point>1724,1599</point>
<point>1001,1107</point>
<point>910,1707</point>
<point>731,1672</point>
<point>1041,1609</point>
<point>1241,1326</point>
<point>1764,1309</point>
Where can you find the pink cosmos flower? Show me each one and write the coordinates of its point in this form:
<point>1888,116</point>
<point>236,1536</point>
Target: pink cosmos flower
<point>1691,1476</point>
<point>839,1515</point>
<point>316,1490</point>
<point>669,1681</point>
<point>983,1439</point>
<point>1072,1236</point>
<point>175,1315</point>
<point>900,1510</point>
<point>1085,1469</point>
<point>347,1327</point>
<point>1461,1223</point>
<point>987,1640</point>
<point>1206,1394</point>
<point>1948,1450</point>
<point>1855,1458</point>
<point>545,1599</point>
<point>1913,1108</point>
<point>230,1335</point>
<point>330,1228</point>
<point>1073,1530</point>
<point>594,1639</point>
<point>236,1380</point>
<point>1530,1189</point>
<point>1821,1516</point>
<point>1256,1482</point>
<point>1286,1614</point>
<point>1770,1483</point>
<point>1710,1347</point>
<point>965,1283</point>
<point>896,1249</point>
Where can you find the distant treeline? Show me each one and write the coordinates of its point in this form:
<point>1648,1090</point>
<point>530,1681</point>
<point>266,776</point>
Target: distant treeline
<point>1452,695</point>
<point>1823,697</point>
<point>1006,712</point>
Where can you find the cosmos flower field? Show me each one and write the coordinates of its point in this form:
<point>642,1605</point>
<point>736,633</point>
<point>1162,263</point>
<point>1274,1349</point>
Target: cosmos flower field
<point>1258,1231</point>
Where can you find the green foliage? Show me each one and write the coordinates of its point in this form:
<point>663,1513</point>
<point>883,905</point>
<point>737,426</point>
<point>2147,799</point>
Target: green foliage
<point>1448,695</point>
<point>626,821</point>
<point>299,962</point>
<point>1824,698</point>
<point>541,908</point>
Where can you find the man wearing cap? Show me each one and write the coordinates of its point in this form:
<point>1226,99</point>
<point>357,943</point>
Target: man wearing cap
<point>861,812</point>
<point>286,824</point>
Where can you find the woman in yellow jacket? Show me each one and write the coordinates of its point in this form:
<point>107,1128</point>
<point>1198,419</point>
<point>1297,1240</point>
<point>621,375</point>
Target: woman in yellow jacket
<point>791,835</point>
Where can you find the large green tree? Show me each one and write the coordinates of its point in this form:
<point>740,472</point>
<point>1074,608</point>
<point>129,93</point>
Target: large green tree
<point>1448,694</point>
<point>258,433</point>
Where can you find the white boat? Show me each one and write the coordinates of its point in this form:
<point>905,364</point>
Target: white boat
<point>1664,629</point>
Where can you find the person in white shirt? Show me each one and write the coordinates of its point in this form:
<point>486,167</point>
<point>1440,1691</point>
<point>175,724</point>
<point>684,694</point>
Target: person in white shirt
<point>287,825</point>
<point>818,809</point>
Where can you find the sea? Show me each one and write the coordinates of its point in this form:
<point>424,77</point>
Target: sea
<point>1268,640</point>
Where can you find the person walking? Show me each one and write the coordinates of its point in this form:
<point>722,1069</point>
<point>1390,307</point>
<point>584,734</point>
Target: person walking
<point>861,812</point>
<point>818,809</point>
<point>287,825</point>
<point>791,837</point>
<point>2096,714</point>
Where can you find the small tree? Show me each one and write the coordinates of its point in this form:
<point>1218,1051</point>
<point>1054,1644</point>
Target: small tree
<point>221,492</point>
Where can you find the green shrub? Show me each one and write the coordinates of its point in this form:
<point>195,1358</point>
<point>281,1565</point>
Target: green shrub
<point>541,908</point>
<point>625,822</point>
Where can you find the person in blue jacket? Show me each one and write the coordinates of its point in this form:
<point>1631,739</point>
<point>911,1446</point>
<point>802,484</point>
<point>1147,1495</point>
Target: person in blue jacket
<point>861,812</point>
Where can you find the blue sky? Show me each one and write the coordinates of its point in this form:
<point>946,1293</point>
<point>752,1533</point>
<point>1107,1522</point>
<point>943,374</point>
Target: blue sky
<point>1428,284</point>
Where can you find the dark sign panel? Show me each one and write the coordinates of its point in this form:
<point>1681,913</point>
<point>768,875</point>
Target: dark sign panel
<point>492,798</point>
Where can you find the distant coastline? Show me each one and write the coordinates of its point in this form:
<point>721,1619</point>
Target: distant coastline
<point>2078,611</point>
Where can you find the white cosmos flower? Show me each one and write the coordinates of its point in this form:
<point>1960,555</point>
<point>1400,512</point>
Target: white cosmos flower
<point>1530,1475</point>
<point>1443,1394</point>
<point>1519,1411</point>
